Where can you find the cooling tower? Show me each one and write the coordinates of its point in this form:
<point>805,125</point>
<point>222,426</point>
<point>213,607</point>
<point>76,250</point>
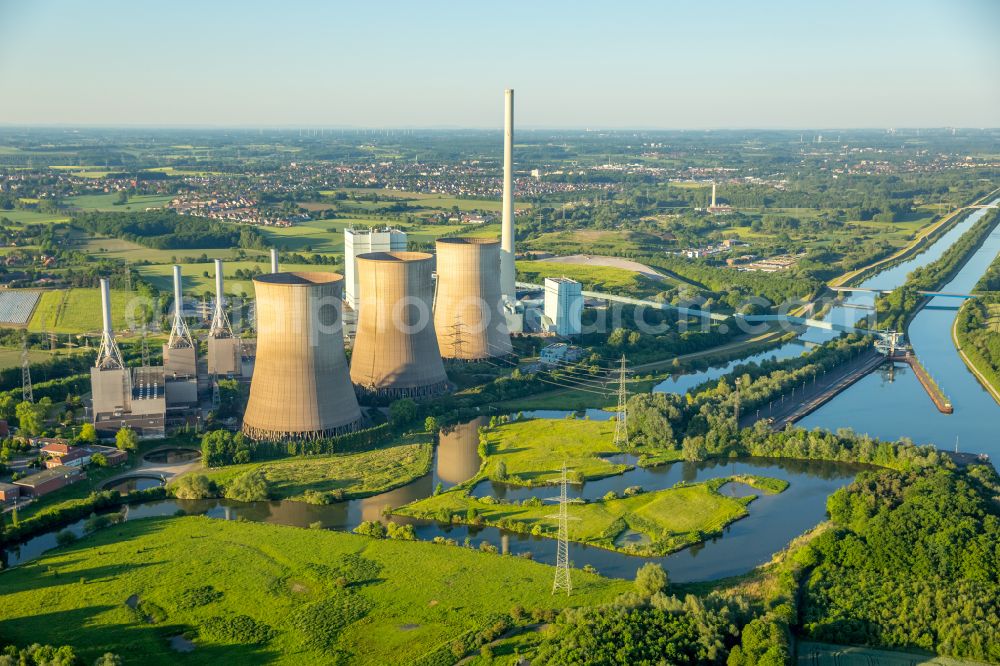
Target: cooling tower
<point>301,388</point>
<point>467,314</point>
<point>396,352</point>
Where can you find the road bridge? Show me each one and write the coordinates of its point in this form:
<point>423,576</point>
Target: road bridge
<point>922,292</point>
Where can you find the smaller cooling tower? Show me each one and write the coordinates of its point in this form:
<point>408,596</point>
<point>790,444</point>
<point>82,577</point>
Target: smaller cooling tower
<point>396,352</point>
<point>468,318</point>
<point>301,388</point>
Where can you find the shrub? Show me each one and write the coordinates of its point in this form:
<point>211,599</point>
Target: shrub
<point>250,487</point>
<point>321,622</point>
<point>65,538</point>
<point>195,597</point>
<point>195,486</point>
<point>241,629</point>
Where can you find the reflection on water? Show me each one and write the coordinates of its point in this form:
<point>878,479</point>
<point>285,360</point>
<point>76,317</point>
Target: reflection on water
<point>458,452</point>
<point>134,483</point>
<point>172,456</point>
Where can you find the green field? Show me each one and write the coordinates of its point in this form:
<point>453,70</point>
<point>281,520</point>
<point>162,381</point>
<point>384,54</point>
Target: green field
<point>105,202</point>
<point>352,474</point>
<point>428,200</point>
<point>11,358</point>
<point>77,311</point>
<point>196,282</point>
<point>25,217</point>
<point>403,599</point>
<point>655,523</point>
<point>593,278</point>
<point>534,450</point>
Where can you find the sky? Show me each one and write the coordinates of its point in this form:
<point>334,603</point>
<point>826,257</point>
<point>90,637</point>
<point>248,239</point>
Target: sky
<point>669,64</point>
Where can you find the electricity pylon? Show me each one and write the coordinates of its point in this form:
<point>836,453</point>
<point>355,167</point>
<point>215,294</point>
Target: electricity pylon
<point>26,393</point>
<point>563,580</point>
<point>621,424</point>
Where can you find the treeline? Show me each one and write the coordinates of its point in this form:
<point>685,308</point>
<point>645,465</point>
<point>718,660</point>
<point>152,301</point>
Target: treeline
<point>977,328</point>
<point>896,308</point>
<point>701,423</point>
<point>913,564</point>
<point>166,230</point>
<point>56,367</point>
<point>991,278</point>
<point>221,447</point>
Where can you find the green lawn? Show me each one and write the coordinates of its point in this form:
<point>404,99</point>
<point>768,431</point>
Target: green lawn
<point>663,521</point>
<point>534,450</point>
<point>105,202</point>
<point>353,474</point>
<point>11,358</point>
<point>404,598</point>
<point>77,311</point>
<point>593,278</point>
<point>24,217</point>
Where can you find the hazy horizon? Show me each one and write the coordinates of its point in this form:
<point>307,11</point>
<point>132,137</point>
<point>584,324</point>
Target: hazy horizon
<point>438,65</point>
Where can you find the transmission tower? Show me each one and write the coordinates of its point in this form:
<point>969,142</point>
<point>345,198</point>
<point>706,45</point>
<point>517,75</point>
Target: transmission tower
<point>621,424</point>
<point>26,392</point>
<point>563,580</point>
<point>456,345</point>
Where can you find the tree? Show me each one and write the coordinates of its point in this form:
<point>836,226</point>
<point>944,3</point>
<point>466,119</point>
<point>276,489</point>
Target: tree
<point>108,659</point>
<point>99,460</point>
<point>126,439</point>
<point>650,579</point>
<point>402,411</point>
<point>250,487</point>
<point>31,416</point>
<point>195,486</point>
<point>88,434</point>
<point>431,424</point>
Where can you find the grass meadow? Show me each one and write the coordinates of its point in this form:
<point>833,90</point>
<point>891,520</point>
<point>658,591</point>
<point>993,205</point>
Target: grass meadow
<point>252,593</point>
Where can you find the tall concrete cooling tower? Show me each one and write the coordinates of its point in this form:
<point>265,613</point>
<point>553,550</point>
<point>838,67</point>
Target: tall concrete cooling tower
<point>301,388</point>
<point>468,318</point>
<point>396,352</point>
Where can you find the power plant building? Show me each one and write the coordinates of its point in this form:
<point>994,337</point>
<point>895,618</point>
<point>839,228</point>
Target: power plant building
<point>180,363</point>
<point>563,306</point>
<point>301,387</point>
<point>468,315</point>
<point>396,352</point>
<point>224,353</point>
<point>365,241</point>
<point>123,397</point>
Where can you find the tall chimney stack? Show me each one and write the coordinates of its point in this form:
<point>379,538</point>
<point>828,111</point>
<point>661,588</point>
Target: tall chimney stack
<point>507,290</point>
<point>274,260</point>
<point>220,323</point>
<point>108,356</point>
<point>180,336</point>
<point>713,194</point>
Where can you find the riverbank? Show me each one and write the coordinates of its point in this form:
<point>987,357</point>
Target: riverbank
<point>977,365</point>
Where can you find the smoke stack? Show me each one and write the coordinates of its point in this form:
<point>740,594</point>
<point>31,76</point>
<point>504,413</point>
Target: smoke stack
<point>507,231</point>
<point>108,356</point>
<point>220,322</point>
<point>274,260</point>
<point>106,308</point>
<point>180,336</point>
<point>713,194</point>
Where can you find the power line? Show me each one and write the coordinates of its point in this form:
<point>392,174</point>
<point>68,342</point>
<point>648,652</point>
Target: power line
<point>563,579</point>
<point>621,423</point>
<point>26,391</point>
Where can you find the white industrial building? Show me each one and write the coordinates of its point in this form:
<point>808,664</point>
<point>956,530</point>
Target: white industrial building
<point>363,241</point>
<point>563,306</point>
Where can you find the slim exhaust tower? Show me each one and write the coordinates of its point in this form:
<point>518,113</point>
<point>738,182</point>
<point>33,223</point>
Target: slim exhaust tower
<point>180,336</point>
<point>108,355</point>
<point>274,260</point>
<point>713,194</point>
<point>224,355</point>
<point>507,229</point>
<point>396,352</point>
<point>301,388</point>
<point>468,315</point>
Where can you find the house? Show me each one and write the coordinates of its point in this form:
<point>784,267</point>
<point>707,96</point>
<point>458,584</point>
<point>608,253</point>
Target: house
<point>113,456</point>
<point>49,480</point>
<point>560,352</point>
<point>9,493</point>
<point>61,452</point>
